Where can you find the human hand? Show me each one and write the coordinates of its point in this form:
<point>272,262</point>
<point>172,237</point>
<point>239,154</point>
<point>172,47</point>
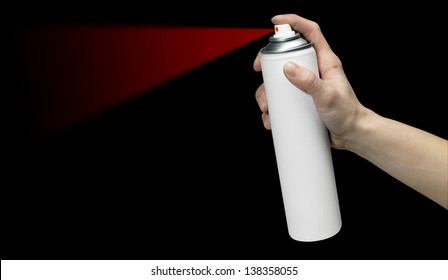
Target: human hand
<point>333,96</point>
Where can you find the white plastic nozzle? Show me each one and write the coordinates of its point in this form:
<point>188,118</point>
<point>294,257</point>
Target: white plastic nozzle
<point>283,31</point>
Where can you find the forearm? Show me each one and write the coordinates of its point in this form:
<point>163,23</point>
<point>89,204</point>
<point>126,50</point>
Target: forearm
<point>415,157</point>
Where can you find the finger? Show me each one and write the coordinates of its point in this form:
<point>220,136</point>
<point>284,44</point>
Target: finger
<point>303,78</point>
<point>266,120</point>
<point>309,29</point>
<point>257,63</point>
<point>260,95</point>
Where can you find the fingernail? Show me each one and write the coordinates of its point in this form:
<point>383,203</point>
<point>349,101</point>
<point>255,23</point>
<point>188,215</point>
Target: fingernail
<point>290,69</point>
<point>275,17</point>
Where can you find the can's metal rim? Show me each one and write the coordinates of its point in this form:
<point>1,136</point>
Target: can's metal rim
<point>287,44</point>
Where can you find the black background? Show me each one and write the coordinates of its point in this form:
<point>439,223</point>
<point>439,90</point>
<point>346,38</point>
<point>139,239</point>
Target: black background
<point>187,171</point>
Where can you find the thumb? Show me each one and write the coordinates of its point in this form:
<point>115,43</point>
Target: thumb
<point>303,78</point>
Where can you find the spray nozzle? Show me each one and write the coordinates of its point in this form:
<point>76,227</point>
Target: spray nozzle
<point>283,31</point>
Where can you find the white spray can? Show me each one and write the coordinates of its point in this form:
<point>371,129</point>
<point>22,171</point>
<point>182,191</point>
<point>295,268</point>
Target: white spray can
<point>301,141</point>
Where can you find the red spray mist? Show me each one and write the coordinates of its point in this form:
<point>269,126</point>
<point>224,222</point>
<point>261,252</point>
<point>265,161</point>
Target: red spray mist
<point>71,73</point>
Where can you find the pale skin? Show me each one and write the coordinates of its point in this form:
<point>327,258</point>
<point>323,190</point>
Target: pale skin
<point>415,157</point>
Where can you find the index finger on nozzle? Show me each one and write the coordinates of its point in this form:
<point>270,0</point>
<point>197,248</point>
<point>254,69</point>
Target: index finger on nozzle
<point>309,29</point>
<point>298,23</point>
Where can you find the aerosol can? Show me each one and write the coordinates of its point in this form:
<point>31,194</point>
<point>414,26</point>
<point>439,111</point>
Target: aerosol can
<point>301,141</point>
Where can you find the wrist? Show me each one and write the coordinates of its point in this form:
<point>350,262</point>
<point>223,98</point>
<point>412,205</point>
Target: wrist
<point>363,126</point>
<point>356,137</point>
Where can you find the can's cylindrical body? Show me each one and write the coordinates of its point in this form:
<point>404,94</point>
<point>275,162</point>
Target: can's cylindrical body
<point>301,144</point>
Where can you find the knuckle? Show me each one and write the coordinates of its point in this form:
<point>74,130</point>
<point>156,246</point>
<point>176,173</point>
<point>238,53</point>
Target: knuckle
<point>310,79</point>
<point>315,26</point>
